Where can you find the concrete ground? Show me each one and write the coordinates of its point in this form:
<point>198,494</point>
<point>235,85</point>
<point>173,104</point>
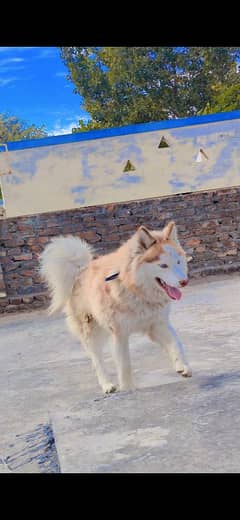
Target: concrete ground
<point>169,424</point>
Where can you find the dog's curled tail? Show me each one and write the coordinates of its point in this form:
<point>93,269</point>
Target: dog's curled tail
<point>61,261</point>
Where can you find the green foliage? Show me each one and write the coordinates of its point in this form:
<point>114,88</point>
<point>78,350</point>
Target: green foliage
<point>225,98</point>
<point>86,126</point>
<point>127,85</point>
<point>14,129</point>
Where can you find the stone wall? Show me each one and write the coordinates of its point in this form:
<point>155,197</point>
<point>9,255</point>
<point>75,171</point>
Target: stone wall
<point>208,224</point>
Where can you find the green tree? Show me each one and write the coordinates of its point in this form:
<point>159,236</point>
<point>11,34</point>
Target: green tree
<point>225,98</point>
<point>127,85</point>
<point>14,129</point>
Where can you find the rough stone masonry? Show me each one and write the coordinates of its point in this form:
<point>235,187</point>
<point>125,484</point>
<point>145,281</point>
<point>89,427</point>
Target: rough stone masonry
<point>208,224</point>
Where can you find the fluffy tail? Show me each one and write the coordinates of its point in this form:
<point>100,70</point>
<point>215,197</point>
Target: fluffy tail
<point>60,263</point>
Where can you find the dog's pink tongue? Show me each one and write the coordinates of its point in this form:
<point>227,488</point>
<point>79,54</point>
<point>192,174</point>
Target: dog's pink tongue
<point>173,292</point>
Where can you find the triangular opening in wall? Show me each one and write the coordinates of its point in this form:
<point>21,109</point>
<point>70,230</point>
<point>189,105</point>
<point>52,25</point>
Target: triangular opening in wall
<point>202,156</point>
<point>163,143</point>
<point>129,167</point>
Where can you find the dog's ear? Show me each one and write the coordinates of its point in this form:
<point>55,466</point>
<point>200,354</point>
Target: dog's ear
<point>145,238</point>
<point>170,232</point>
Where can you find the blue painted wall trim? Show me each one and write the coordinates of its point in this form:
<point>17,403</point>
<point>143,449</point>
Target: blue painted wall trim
<point>122,130</point>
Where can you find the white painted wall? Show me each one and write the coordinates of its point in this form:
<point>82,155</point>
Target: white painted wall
<point>76,174</point>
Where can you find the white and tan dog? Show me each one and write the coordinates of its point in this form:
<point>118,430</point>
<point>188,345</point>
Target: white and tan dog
<point>124,292</point>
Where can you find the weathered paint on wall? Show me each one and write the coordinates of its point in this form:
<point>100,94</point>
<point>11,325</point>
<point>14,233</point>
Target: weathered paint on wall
<point>91,171</point>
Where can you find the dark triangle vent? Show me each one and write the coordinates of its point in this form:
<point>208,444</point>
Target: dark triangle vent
<point>129,167</point>
<point>163,143</point>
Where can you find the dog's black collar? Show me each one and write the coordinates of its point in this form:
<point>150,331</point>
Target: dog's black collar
<point>111,277</point>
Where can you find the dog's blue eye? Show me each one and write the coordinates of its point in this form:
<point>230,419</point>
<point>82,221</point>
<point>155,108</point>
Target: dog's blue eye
<point>178,261</point>
<point>163,266</point>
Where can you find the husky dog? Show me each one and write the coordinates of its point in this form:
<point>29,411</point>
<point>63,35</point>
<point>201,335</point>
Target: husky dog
<point>117,294</point>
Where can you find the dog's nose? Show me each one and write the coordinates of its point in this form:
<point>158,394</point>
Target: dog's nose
<point>183,282</point>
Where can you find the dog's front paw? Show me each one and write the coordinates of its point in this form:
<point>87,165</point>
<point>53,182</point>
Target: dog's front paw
<point>184,370</point>
<point>187,372</point>
<point>109,388</point>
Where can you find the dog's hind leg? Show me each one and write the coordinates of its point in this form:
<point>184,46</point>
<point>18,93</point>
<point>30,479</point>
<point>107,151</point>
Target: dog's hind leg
<point>165,335</point>
<point>93,337</point>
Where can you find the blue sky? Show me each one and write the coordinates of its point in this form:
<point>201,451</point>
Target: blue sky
<point>33,87</point>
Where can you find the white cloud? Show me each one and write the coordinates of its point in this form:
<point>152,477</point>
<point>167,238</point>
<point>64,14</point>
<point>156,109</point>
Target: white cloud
<point>18,49</point>
<point>11,60</point>
<point>15,60</point>
<point>41,52</point>
<point>61,128</point>
<point>70,118</point>
<point>8,68</point>
<point>11,64</point>
<point>6,81</point>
